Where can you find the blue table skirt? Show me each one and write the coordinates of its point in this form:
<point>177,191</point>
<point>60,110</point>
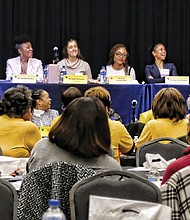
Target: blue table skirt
<point>121,95</point>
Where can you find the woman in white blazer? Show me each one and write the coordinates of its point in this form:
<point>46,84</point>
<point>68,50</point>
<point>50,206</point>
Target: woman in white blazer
<point>24,63</point>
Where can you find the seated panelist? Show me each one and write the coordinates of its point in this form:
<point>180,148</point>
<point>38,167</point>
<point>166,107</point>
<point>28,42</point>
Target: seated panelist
<point>118,62</point>
<point>24,63</point>
<point>156,72</point>
<point>74,61</point>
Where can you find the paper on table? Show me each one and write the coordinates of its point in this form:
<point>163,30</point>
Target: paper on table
<point>9,164</point>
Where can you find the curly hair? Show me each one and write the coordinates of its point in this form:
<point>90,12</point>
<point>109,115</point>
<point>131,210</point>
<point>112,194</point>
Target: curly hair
<point>16,102</point>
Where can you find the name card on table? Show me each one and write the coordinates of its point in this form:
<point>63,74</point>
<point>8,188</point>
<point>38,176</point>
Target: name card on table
<point>120,80</point>
<point>177,80</point>
<point>23,78</point>
<point>75,79</point>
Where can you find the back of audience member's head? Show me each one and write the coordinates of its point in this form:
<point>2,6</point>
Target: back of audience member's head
<point>169,103</point>
<point>16,102</point>
<point>101,93</point>
<point>69,95</point>
<point>83,128</point>
<point>36,94</point>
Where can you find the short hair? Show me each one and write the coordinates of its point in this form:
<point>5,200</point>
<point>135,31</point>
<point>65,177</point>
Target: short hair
<point>36,94</point>
<point>83,128</point>
<point>20,39</point>
<point>101,93</point>
<point>70,94</point>
<point>16,101</point>
<point>169,103</point>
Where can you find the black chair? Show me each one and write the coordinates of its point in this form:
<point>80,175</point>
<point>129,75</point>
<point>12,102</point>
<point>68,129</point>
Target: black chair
<point>1,152</point>
<point>9,201</point>
<point>134,129</point>
<point>116,184</point>
<point>173,149</point>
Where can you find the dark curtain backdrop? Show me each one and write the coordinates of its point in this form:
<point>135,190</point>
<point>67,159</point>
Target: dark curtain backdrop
<point>98,25</point>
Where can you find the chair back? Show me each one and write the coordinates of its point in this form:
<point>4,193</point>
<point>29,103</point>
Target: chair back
<point>176,194</point>
<point>173,149</point>
<point>9,201</point>
<point>116,184</point>
<point>1,152</point>
<point>51,181</point>
<point>135,128</point>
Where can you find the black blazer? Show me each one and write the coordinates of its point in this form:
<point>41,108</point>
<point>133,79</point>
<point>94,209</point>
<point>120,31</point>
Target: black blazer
<point>152,70</point>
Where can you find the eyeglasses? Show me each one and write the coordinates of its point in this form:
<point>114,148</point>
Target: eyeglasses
<point>118,54</point>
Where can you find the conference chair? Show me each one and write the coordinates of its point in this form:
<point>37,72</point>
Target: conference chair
<point>9,201</point>
<point>1,152</point>
<point>51,181</point>
<point>172,149</point>
<point>176,194</point>
<point>134,129</point>
<point>115,184</point>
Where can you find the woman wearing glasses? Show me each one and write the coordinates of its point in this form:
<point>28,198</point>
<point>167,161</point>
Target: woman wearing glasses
<point>118,62</point>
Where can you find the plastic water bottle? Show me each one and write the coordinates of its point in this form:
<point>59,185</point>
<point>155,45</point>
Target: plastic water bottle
<point>103,75</point>
<point>53,212</point>
<point>45,75</point>
<point>63,72</point>
<point>154,174</point>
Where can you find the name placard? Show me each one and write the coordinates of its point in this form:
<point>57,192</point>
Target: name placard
<point>177,80</point>
<point>120,80</point>
<point>75,79</point>
<point>44,130</point>
<point>23,78</point>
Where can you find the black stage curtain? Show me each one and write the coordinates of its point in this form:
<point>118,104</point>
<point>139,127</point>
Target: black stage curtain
<point>98,25</point>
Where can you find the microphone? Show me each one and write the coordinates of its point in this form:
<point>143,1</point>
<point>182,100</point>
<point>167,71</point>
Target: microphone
<point>134,104</point>
<point>56,55</point>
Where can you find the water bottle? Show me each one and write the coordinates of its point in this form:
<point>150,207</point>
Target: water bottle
<point>103,75</point>
<point>63,72</point>
<point>53,212</point>
<point>154,174</point>
<point>45,75</point>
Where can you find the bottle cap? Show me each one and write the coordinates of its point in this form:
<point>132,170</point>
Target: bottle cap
<point>54,202</point>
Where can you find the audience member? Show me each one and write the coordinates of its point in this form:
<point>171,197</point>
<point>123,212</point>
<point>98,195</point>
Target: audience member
<point>118,62</point>
<point>156,72</point>
<point>69,95</point>
<point>74,61</point>
<point>17,134</point>
<point>24,63</point>
<point>42,115</point>
<point>169,111</point>
<point>180,163</point>
<point>146,116</point>
<point>121,141</point>
<point>81,135</point>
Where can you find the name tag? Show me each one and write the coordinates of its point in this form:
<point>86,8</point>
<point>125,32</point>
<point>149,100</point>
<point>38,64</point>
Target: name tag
<point>120,80</point>
<point>75,79</point>
<point>164,72</point>
<point>23,78</point>
<point>44,130</point>
<point>177,80</point>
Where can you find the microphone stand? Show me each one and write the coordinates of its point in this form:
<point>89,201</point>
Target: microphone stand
<point>133,113</point>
